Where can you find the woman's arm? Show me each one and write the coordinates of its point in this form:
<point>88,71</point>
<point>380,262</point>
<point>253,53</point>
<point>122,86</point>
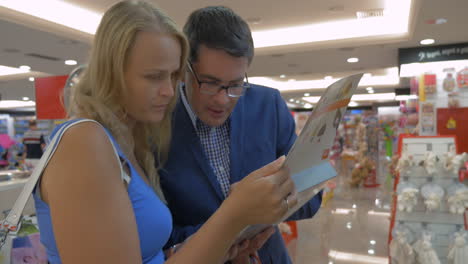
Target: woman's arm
<point>92,216</point>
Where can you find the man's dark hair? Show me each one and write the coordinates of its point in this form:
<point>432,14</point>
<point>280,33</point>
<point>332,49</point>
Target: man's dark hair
<point>218,27</point>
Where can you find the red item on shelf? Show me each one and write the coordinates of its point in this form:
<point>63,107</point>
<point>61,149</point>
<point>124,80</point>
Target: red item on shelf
<point>462,78</point>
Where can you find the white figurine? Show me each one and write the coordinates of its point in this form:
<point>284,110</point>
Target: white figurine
<point>401,251</point>
<point>430,161</point>
<point>407,199</point>
<point>432,194</point>
<point>457,198</point>
<point>425,254</point>
<point>404,163</point>
<point>458,252</point>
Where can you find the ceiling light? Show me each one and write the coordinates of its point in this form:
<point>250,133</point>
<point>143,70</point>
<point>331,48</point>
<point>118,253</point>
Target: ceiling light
<point>352,60</point>
<point>298,102</point>
<point>371,251</point>
<point>5,70</point>
<point>328,78</point>
<point>25,98</point>
<point>282,76</point>
<point>374,97</point>
<point>369,88</point>
<point>354,206</point>
<point>311,99</point>
<point>349,225</point>
<point>394,22</point>
<point>416,69</point>
<point>291,80</point>
<point>291,100</point>
<point>353,104</point>
<point>307,94</point>
<point>372,242</point>
<point>71,62</point>
<point>406,97</point>
<point>427,41</point>
<point>372,212</point>
<point>25,68</point>
<point>308,106</point>
<point>367,75</point>
<point>343,211</point>
<point>370,91</point>
<point>31,79</point>
<point>357,258</point>
<point>9,104</point>
<point>47,10</point>
<point>390,78</point>
<point>377,201</point>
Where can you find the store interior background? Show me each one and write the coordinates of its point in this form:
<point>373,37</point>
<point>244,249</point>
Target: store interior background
<point>301,47</point>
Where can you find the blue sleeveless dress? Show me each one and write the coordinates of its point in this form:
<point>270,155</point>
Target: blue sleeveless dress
<point>153,218</point>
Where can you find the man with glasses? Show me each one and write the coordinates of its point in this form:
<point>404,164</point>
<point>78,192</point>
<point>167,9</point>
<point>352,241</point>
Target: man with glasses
<point>224,128</point>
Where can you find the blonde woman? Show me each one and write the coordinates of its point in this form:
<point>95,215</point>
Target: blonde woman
<point>87,212</point>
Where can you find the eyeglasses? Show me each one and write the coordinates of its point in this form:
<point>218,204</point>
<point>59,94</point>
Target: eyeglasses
<point>212,88</point>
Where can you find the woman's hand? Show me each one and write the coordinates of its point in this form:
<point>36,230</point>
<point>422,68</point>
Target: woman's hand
<point>264,196</point>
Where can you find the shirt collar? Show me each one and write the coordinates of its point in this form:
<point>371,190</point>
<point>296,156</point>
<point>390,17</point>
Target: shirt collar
<point>191,113</point>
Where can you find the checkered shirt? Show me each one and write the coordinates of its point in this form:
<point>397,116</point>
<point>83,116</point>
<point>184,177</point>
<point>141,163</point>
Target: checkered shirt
<point>215,142</point>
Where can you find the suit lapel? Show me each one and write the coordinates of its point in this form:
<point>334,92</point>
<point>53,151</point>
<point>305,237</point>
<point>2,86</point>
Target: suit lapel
<point>189,136</point>
<point>236,138</point>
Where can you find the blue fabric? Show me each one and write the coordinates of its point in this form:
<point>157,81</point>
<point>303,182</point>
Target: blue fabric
<point>154,221</point>
<point>261,130</point>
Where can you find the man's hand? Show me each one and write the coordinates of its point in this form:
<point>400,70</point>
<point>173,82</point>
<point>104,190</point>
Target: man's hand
<point>253,245</point>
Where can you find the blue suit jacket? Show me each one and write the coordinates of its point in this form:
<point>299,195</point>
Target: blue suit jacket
<point>262,129</point>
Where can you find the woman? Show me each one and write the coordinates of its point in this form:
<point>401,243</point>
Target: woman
<point>87,213</point>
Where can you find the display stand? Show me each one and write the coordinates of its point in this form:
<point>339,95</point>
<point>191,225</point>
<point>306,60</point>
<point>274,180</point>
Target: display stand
<point>439,222</point>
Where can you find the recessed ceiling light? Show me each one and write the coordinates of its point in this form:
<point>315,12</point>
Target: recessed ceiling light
<point>353,104</point>
<point>371,91</point>
<point>354,206</point>
<point>373,242</point>
<point>298,102</point>
<point>292,80</point>
<point>371,251</point>
<point>308,106</point>
<point>25,68</point>
<point>328,78</point>
<point>307,94</point>
<point>282,76</point>
<point>367,75</point>
<point>353,60</point>
<point>25,98</point>
<point>291,100</point>
<point>427,41</point>
<point>31,79</point>
<point>71,62</point>
<point>369,88</point>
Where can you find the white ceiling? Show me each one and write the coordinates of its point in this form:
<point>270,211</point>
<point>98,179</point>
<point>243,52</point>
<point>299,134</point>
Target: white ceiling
<point>30,35</point>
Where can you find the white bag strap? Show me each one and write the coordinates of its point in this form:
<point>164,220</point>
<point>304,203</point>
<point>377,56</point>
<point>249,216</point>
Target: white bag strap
<point>11,221</point>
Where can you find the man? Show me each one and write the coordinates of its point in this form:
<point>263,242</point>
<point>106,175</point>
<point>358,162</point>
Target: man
<point>224,129</point>
<point>34,144</point>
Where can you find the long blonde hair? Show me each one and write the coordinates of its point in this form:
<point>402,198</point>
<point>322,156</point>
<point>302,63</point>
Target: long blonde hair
<point>99,93</point>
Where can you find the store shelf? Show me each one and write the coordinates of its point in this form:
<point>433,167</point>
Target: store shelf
<point>431,218</point>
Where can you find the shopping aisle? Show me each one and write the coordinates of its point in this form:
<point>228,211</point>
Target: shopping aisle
<point>351,228</point>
